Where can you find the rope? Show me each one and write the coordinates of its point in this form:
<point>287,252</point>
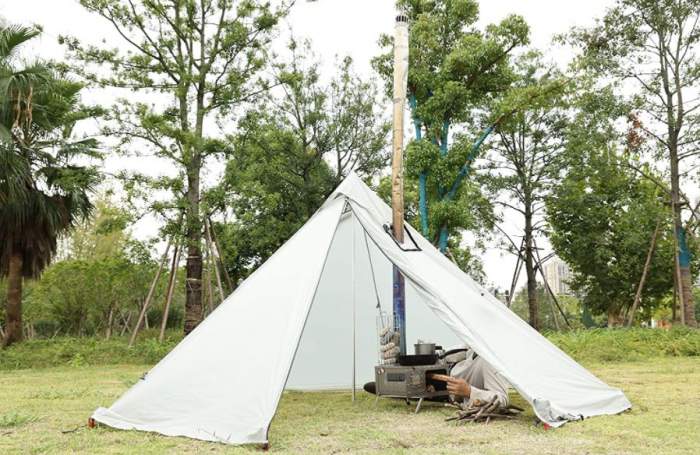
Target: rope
<point>371,267</point>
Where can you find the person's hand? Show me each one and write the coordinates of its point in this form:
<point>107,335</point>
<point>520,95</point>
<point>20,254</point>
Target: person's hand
<point>459,387</point>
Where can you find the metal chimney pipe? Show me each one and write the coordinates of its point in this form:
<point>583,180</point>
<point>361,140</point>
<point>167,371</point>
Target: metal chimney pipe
<point>397,203</point>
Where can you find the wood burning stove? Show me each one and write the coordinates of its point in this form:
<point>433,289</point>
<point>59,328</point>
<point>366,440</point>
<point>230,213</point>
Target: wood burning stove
<point>410,382</point>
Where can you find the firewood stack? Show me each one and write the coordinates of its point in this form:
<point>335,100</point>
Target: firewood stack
<point>483,412</point>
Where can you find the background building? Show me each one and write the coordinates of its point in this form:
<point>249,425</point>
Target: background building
<point>558,275</point>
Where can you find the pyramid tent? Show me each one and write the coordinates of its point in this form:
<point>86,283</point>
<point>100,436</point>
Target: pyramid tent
<point>306,319</point>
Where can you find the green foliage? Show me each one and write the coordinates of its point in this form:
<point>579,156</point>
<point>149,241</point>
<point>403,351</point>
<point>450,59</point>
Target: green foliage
<point>421,156</point>
<point>549,317</point>
<point>204,73</point>
<point>614,345</point>
<point>15,419</point>
<point>291,153</point>
<point>648,50</point>
<point>526,157</point>
<point>477,216</point>
<point>103,271</point>
<point>598,345</point>
<point>205,60</point>
<point>84,351</point>
<point>43,187</point>
<point>602,218</point>
<point>455,72</point>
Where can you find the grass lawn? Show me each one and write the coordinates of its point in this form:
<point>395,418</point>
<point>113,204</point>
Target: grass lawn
<point>45,410</point>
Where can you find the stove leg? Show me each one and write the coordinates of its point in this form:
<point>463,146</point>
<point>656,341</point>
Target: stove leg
<point>420,402</point>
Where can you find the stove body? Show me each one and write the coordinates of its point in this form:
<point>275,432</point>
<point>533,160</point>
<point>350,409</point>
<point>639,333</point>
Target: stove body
<point>410,382</point>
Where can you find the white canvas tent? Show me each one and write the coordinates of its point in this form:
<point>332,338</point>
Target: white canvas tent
<point>306,319</point>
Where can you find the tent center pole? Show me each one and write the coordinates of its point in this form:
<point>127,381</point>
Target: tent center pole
<point>354,311</point>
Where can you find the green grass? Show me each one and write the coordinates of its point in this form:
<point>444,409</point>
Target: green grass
<point>45,410</point>
<point>15,419</point>
<point>605,345</point>
<point>600,345</point>
<point>85,351</point>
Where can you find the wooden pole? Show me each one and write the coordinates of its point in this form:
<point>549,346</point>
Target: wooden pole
<point>209,290</point>
<point>216,268</point>
<point>516,273</point>
<point>171,287</point>
<point>647,263</point>
<point>546,285</point>
<point>126,320</point>
<point>397,203</point>
<point>220,256</point>
<point>149,297</point>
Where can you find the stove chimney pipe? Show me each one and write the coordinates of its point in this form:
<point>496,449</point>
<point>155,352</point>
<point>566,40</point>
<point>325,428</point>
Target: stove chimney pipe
<point>397,203</point>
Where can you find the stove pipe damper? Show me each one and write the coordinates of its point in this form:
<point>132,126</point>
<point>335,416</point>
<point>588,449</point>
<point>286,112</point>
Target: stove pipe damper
<point>397,204</point>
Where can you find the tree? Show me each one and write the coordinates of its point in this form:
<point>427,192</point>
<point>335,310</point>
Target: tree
<point>602,216</point>
<point>292,152</point>
<point>102,235</point>
<point>652,46</point>
<point>203,57</point>
<point>527,155</point>
<point>549,318</point>
<point>43,189</point>
<point>455,70</point>
<point>98,280</point>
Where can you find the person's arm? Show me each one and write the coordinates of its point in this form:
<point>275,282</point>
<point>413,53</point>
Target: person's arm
<point>474,396</point>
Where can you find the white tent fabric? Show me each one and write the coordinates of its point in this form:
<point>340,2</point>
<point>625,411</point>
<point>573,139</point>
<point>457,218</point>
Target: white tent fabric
<point>312,305</point>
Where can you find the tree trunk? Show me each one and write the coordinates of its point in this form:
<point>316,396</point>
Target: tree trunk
<point>13,310</point>
<point>689,304</point>
<point>682,252</point>
<point>193,281</point>
<point>614,318</point>
<point>532,306</point>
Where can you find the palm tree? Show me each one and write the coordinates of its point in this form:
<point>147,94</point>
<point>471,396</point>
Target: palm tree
<point>43,192</point>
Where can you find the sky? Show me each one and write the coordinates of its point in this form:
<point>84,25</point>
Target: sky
<point>336,28</point>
